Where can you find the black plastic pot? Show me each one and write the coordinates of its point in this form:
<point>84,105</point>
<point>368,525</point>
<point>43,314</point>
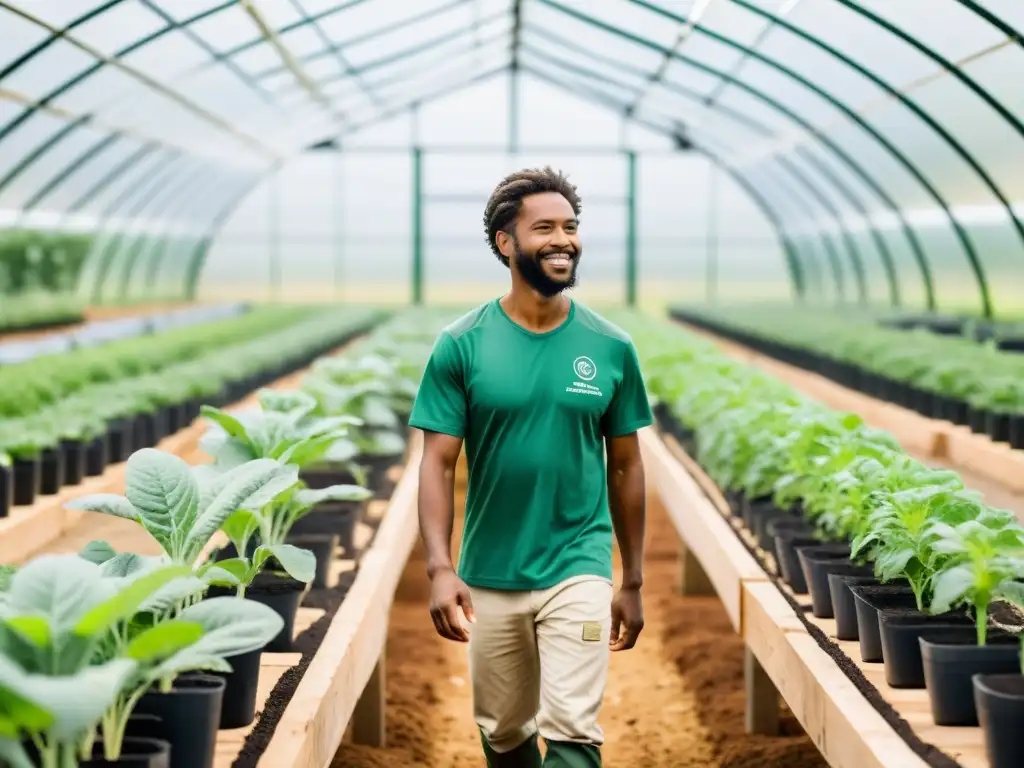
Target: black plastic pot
<point>282,593</point>
<point>951,659</point>
<point>752,508</point>
<point>135,753</point>
<point>791,526</point>
<point>325,476</point>
<point>761,520</point>
<point>74,461</point>
<point>190,713</point>
<point>120,434</point>
<point>144,726</point>
<point>26,481</point>
<point>786,546</point>
<point>51,471</point>
<point>1017,431</point>
<point>978,420</point>
<point>901,630</point>
<point>869,600</point>
<point>844,607</point>
<point>241,684</point>
<point>146,430</point>
<point>998,427</point>
<point>817,562</point>
<point>1000,704</point>
<point>322,545</point>
<point>96,456</point>
<point>6,489</point>
<point>338,517</point>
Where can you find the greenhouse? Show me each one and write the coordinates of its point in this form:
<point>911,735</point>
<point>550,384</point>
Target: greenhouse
<point>511,382</point>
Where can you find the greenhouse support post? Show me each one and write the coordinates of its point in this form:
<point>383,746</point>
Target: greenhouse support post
<point>417,225</point>
<point>631,229</point>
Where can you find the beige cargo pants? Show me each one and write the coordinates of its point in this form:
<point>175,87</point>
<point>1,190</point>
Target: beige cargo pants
<point>538,662</point>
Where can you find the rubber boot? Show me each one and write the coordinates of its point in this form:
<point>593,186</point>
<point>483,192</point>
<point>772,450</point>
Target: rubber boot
<point>526,755</point>
<point>567,754</point>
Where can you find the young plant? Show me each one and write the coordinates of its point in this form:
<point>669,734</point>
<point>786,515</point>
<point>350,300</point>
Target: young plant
<point>56,616</point>
<point>982,562</point>
<point>272,523</point>
<point>182,507</point>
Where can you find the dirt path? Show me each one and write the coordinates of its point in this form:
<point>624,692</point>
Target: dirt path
<point>674,701</point>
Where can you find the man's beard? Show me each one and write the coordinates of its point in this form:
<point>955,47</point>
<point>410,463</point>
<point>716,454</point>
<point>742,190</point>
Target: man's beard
<point>531,269</point>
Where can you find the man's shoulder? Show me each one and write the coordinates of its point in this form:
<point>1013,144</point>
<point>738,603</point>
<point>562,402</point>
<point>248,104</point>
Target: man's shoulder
<point>601,325</point>
<point>462,325</point>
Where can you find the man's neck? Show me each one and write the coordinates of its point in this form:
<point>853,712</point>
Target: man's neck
<point>533,311</point>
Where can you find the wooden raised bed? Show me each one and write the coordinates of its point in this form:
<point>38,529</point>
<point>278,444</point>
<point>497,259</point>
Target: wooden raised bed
<point>852,715</point>
<point>336,674</point>
<point>930,438</point>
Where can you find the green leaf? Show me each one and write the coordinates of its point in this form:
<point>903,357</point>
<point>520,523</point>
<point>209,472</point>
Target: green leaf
<point>298,563</point>
<point>309,497</point>
<point>228,573</point>
<point>35,629</point>
<point>160,486</point>
<point>950,586</point>
<point>97,551</point>
<point>231,425</point>
<point>126,603</point>
<point>105,503</point>
<point>163,640</point>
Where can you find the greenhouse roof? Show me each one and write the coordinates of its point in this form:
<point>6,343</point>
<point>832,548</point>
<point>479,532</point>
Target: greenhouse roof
<point>887,111</point>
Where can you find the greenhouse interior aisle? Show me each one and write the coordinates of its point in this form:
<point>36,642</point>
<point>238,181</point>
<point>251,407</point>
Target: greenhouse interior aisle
<point>674,701</point>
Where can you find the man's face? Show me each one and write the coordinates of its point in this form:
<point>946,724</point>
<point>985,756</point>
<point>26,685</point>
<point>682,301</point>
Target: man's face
<point>546,243</point>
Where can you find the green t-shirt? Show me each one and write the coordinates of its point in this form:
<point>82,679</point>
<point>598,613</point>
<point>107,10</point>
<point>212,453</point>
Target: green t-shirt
<point>534,410</point>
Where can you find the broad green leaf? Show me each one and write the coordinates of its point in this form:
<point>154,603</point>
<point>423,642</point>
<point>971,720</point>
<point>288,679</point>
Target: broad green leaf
<point>76,701</point>
<point>97,551</point>
<point>126,602</point>
<point>170,595</point>
<point>309,497</point>
<point>950,586</point>
<point>13,753</point>
<point>214,574</point>
<point>162,640</point>
<point>60,587</point>
<point>299,563</point>
<point>35,629</point>
<point>160,486</point>
<point>230,424</point>
<point>105,503</point>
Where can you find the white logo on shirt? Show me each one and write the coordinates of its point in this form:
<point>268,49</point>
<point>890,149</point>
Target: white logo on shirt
<point>584,368</point>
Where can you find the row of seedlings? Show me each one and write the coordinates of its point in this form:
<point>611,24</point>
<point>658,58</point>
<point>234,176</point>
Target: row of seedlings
<point>64,418</point>
<point>952,378</point>
<point>926,576</point>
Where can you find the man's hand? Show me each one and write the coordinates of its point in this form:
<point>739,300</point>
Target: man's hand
<point>627,619</point>
<point>447,594</point>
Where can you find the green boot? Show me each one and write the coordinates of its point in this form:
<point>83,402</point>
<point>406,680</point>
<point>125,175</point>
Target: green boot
<point>526,755</point>
<point>568,754</point>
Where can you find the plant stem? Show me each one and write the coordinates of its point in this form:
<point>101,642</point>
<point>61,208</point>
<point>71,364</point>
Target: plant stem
<point>49,754</point>
<point>982,621</point>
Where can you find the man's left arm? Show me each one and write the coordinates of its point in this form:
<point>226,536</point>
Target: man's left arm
<point>629,412</point>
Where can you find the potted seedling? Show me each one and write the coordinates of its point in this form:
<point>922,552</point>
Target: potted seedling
<point>984,563</point>
<point>999,699</point>
<point>6,483</point>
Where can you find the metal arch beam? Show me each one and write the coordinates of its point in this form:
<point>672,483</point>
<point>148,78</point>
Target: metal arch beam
<point>153,174</point>
<point>159,252</point>
<point>197,258</point>
<point>776,106</point>
<point>160,209</point>
<point>994,20</point>
<point>892,149</point>
<point>789,249</point>
<point>57,179</point>
<point>809,157</point>
<point>171,177</point>
<point>812,197</point>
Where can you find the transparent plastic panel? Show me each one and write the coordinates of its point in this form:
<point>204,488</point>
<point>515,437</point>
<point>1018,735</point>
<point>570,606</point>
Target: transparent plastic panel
<point>169,58</point>
<point>183,10</point>
<point>48,70</point>
<point>103,87</point>
<point>17,36</point>
<point>259,60</point>
<point>955,31</point>
<point>21,145</point>
<point>629,18</point>
<point>80,188</point>
<point>119,27</point>
<point>226,29</point>
<point>41,172</point>
<point>483,116</point>
<point>123,186</point>
<point>543,17</point>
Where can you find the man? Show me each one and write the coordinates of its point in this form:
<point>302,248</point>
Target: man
<point>548,397</point>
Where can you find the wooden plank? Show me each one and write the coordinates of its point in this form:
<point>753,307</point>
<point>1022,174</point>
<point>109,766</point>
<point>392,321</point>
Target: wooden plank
<point>313,725</point>
<point>705,532</point>
<point>844,726</point>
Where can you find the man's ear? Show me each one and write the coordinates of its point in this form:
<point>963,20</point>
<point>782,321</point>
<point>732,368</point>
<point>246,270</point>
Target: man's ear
<point>506,244</point>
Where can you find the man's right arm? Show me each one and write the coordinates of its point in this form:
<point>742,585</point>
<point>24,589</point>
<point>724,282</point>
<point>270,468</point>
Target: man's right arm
<point>440,411</point>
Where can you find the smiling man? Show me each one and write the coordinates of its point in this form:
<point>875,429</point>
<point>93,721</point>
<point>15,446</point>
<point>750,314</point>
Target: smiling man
<point>548,397</point>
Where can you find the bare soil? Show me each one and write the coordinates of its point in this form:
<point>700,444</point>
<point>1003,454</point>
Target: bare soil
<point>674,701</point>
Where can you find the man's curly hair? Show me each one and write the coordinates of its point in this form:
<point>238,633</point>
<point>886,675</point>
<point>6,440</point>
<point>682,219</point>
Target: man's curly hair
<point>507,199</point>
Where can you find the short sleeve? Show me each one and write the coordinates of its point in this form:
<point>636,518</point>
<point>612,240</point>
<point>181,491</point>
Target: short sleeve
<point>440,404</point>
<point>630,409</point>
